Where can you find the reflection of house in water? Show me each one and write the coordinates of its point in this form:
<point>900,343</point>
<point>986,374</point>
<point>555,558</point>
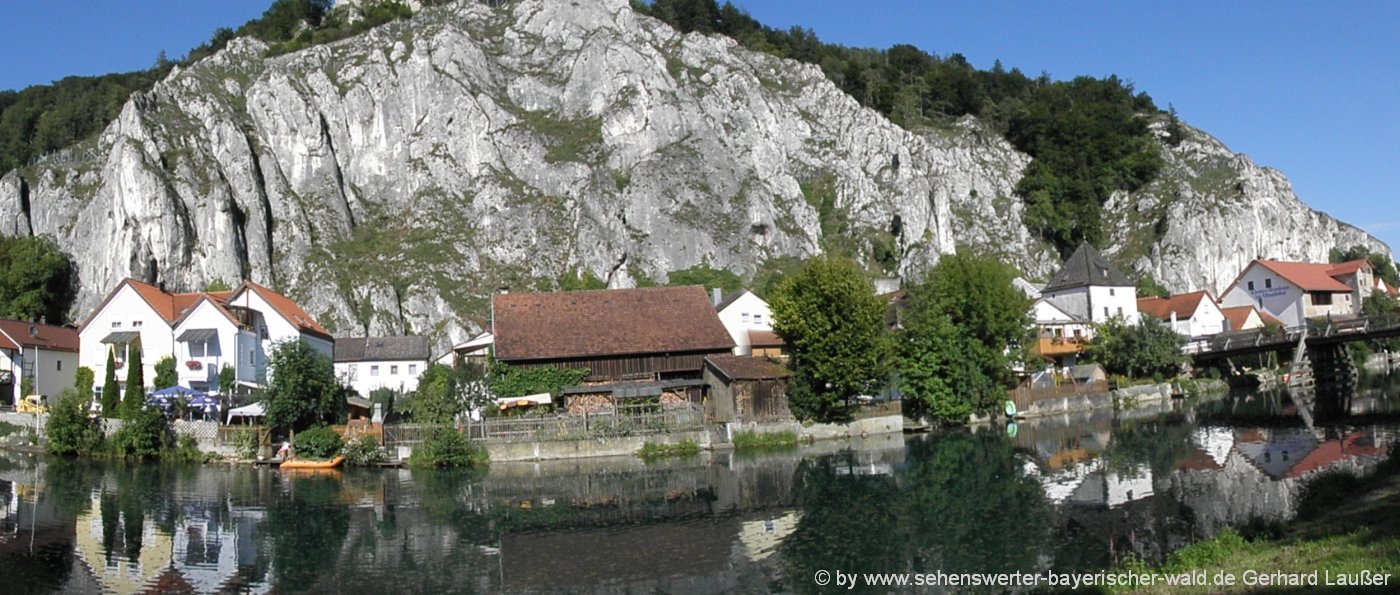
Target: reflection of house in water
<point>1274,451</point>
<point>762,537</point>
<point>111,554</point>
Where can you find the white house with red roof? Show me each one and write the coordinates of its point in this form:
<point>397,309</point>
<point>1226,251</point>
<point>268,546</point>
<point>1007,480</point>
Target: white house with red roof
<point>1192,314</point>
<point>749,322</point>
<point>203,331</point>
<point>45,354</point>
<point>1295,291</point>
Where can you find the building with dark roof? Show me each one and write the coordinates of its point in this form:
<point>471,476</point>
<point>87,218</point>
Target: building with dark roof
<point>1090,288</point>
<point>369,363</point>
<point>657,333</point>
<point>746,389</point>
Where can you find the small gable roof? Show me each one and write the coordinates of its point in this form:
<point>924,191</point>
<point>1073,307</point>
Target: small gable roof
<point>1307,276</point>
<point>573,324</point>
<point>1349,267</point>
<point>286,308</point>
<point>366,349</point>
<point>745,367</point>
<point>170,307</point>
<point>1183,305</point>
<point>1238,316</point>
<point>17,333</point>
<point>1087,267</point>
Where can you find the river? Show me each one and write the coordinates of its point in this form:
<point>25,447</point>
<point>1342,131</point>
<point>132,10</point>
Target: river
<point>1070,494</point>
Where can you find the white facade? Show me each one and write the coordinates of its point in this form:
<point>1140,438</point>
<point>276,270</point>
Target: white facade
<point>272,328</point>
<point>1053,323</point>
<point>1207,320</point>
<point>367,376</point>
<point>51,371</point>
<point>125,311</point>
<point>1096,303</point>
<point>1270,293</point>
<point>745,313</point>
<point>199,357</point>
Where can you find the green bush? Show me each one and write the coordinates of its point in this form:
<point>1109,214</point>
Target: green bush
<point>446,447</point>
<point>363,451</point>
<point>654,450</point>
<point>146,434</point>
<point>186,450</point>
<point>245,441</point>
<point>317,443</point>
<point>765,440</point>
<point>70,430</point>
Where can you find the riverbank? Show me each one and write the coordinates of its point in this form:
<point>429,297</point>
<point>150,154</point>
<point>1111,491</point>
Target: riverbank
<point>1346,539</point>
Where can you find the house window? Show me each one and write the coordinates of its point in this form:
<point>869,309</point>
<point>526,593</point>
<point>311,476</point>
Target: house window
<point>758,319</point>
<point>1120,310</point>
<point>393,370</point>
<point>374,370</point>
<point>197,349</point>
<point>1268,283</point>
<point>1105,311</point>
<point>60,364</point>
<point>116,324</point>
<point>1077,333</point>
<point>136,324</point>
<point>1321,298</point>
<point>413,369</point>
<point>1251,286</point>
<point>262,332</point>
<point>745,317</point>
<point>1110,292</point>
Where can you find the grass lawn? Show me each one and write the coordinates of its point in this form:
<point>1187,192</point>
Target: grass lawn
<point>1360,533</point>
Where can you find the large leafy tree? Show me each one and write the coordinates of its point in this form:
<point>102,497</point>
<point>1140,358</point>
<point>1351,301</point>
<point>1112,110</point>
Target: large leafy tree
<point>303,390</point>
<point>834,326</point>
<point>1148,349</point>
<point>964,329</point>
<point>36,279</point>
<point>444,392</point>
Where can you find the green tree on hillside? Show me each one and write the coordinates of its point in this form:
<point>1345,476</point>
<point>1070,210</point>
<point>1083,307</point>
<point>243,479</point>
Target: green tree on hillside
<point>706,276</point>
<point>36,279</point>
<point>303,391</point>
<point>834,326</point>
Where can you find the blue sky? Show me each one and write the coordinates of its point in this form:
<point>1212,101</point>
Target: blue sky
<point>1310,88</point>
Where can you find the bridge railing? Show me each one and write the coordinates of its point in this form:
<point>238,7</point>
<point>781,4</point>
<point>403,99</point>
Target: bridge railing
<point>1315,328</point>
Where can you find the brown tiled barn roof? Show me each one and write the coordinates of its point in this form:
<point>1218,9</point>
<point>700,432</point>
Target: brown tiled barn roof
<point>533,326</point>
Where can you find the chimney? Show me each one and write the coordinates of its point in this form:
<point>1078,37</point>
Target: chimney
<point>715,297</point>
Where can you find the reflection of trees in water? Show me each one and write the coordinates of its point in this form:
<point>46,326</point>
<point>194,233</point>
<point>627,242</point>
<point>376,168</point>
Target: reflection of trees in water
<point>961,504</point>
<point>1157,442</point>
<point>306,527</point>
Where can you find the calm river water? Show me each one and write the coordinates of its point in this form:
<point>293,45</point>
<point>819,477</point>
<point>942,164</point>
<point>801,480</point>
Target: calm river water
<point>1067,494</point>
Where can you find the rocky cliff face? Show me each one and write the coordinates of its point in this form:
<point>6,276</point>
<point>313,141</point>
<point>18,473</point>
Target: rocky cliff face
<point>390,182</point>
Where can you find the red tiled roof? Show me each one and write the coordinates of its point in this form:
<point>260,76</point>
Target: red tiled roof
<point>1161,308</point>
<point>765,339</point>
<point>746,367</point>
<point>1348,267</point>
<point>5,343</point>
<point>287,308</point>
<point>532,326</point>
<point>1331,451</point>
<point>46,336</point>
<point>1307,276</point>
<point>1238,316</point>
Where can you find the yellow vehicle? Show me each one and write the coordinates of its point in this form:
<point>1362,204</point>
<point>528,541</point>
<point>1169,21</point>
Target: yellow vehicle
<point>34,404</point>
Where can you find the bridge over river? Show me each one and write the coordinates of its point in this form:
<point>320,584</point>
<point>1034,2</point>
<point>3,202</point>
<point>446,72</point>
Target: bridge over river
<point>1318,347</point>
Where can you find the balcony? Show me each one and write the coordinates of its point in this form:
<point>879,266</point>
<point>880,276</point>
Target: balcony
<point>197,369</point>
<point>1053,346</point>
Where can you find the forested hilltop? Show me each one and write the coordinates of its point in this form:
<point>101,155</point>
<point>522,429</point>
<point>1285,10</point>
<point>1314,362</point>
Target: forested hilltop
<point>390,168</point>
<point>1088,136</point>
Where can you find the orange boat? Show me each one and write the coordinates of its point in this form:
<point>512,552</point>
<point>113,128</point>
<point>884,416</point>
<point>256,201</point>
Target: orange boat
<point>309,464</point>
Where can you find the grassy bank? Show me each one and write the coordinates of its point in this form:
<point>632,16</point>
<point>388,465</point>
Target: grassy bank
<point>1346,525</point>
<point>654,450</point>
<point>764,440</point>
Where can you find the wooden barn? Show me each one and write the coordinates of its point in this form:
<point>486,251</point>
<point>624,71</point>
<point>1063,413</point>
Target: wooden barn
<point>634,342</point>
<point>746,389</point>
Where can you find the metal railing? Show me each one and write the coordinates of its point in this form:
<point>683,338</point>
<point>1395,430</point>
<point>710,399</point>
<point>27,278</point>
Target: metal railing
<point>1313,329</point>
